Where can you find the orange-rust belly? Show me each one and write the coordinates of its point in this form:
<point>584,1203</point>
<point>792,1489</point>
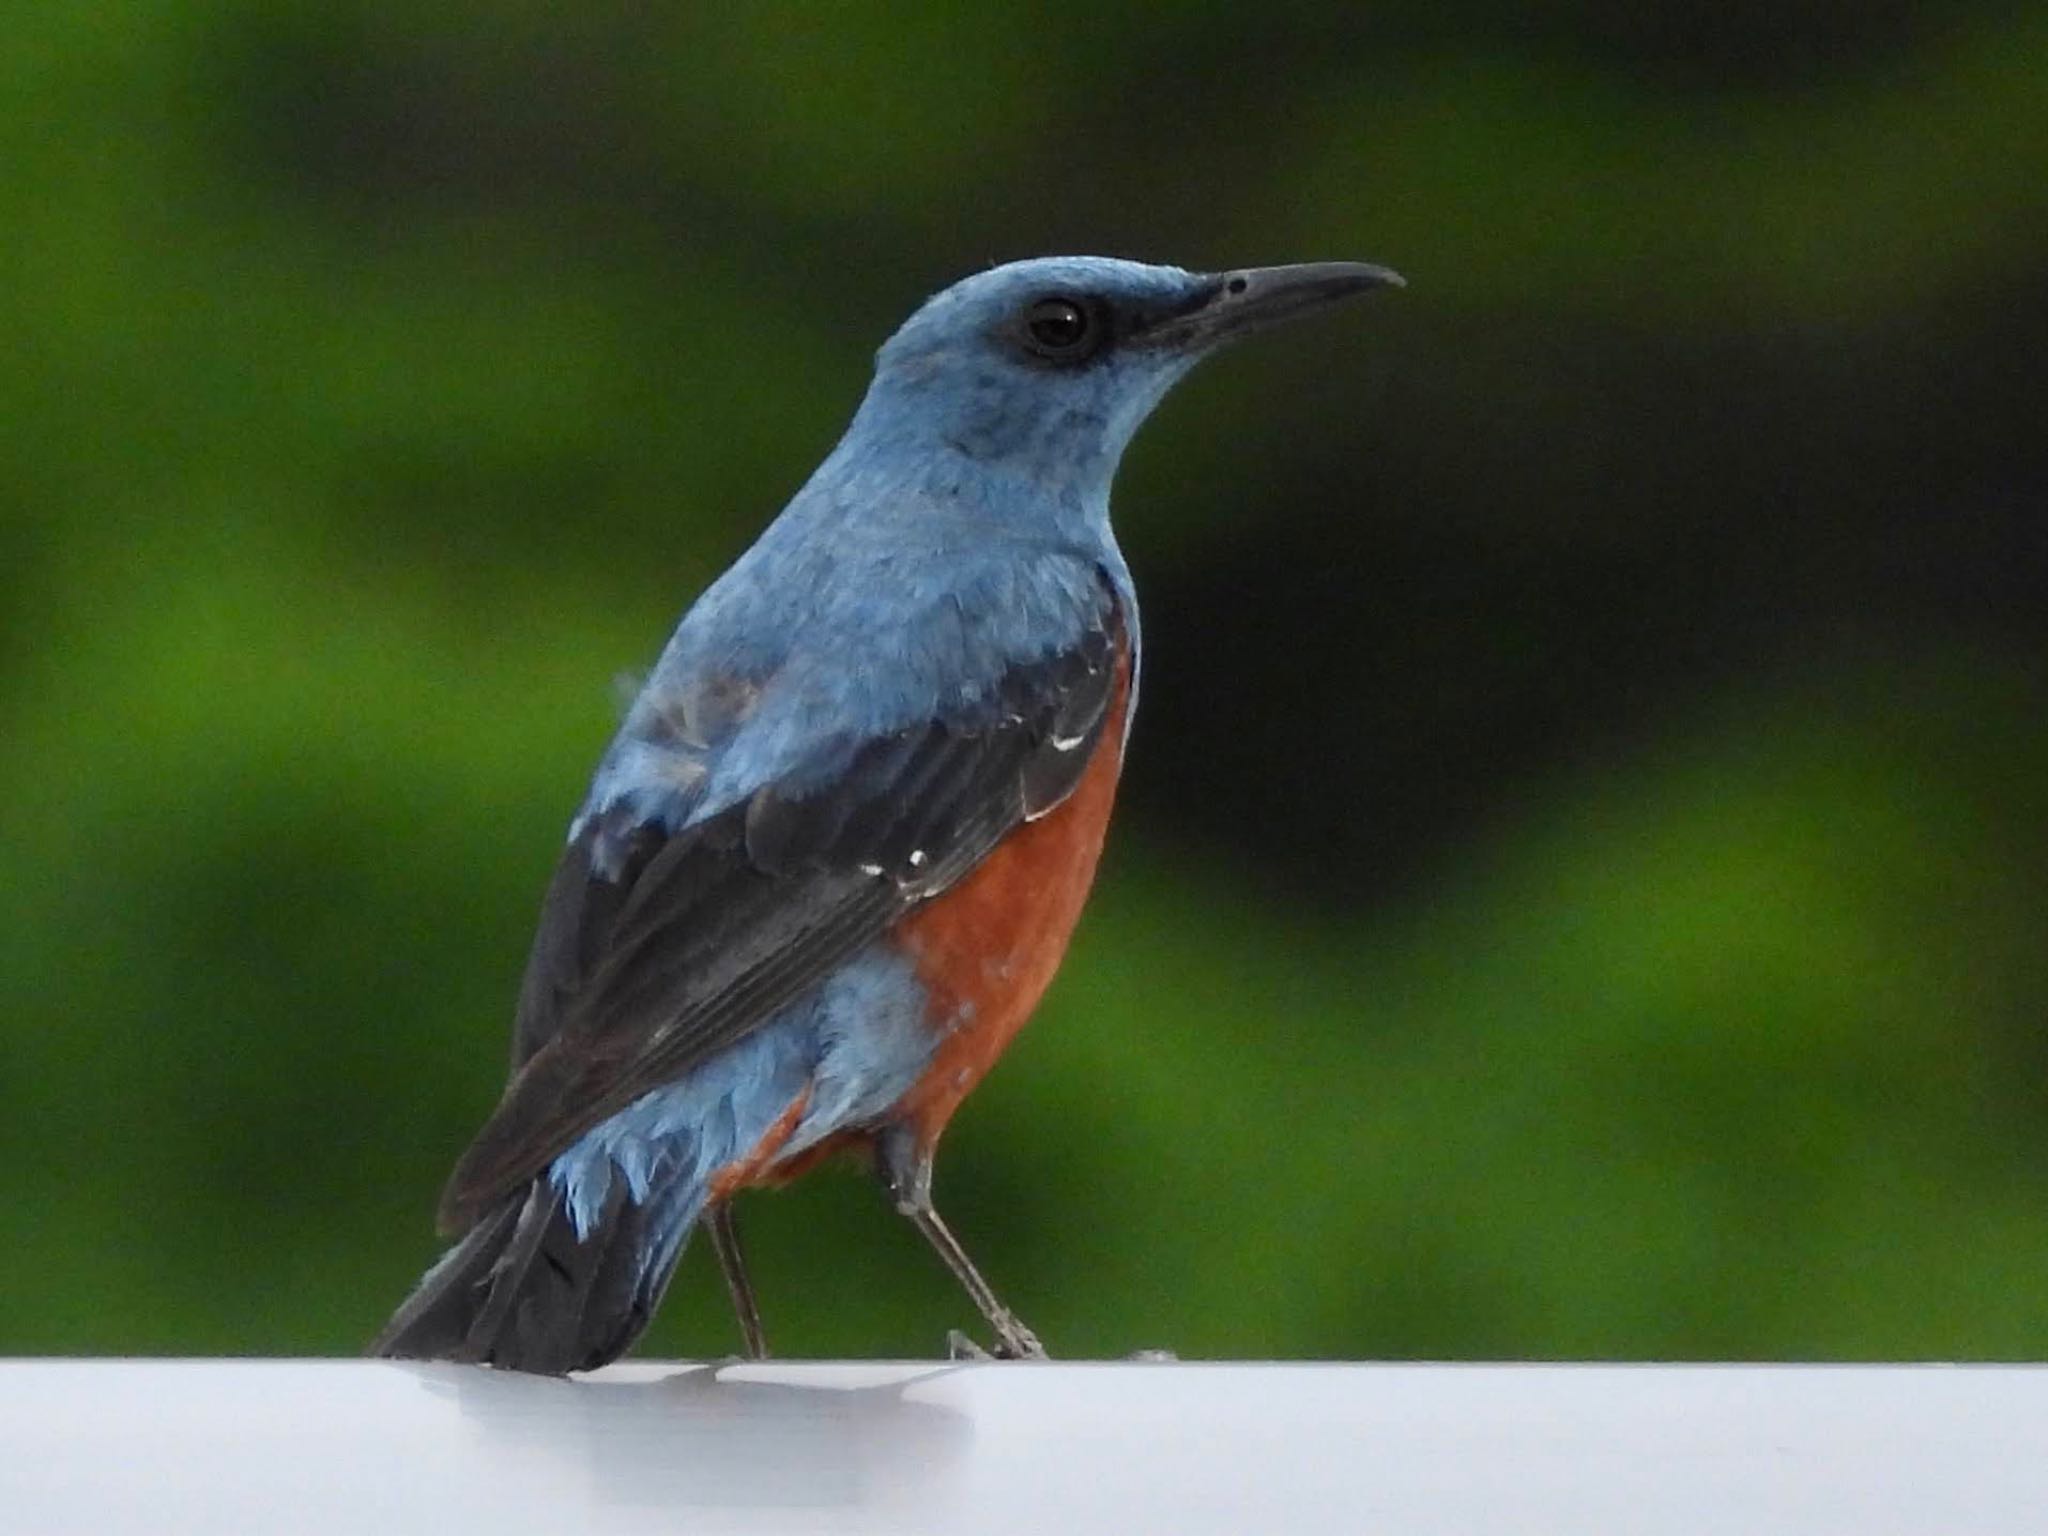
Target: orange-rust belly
<point>987,949</point>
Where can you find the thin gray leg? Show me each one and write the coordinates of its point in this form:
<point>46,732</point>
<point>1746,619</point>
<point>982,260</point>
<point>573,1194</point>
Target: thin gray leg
<point>907,1174</point>
<point>732,1263</point>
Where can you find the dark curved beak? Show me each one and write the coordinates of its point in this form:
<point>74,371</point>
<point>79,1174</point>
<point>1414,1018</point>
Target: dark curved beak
<point>1232,304</point>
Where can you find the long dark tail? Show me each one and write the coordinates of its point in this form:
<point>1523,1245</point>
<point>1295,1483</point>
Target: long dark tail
<point>523,1292</point>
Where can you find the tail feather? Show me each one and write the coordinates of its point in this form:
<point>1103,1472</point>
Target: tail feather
<point>523,1292</point>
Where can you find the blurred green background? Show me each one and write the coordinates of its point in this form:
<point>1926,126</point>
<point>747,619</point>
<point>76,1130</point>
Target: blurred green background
<point>1580,890</point>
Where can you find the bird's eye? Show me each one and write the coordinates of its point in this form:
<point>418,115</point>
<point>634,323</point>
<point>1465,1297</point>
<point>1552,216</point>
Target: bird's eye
<point>1060,329</point>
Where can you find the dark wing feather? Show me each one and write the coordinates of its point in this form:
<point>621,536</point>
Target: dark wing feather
<point>699,936</point>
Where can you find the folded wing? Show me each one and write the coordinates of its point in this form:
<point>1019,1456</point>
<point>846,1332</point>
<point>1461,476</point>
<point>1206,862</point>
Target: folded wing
<point>658,947</point>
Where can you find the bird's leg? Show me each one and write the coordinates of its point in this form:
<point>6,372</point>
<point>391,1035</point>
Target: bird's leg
<point>732,1263</point>
<point>906,1170</point>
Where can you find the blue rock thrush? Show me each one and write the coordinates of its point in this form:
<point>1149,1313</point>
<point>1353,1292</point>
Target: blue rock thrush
<point>833,856</point>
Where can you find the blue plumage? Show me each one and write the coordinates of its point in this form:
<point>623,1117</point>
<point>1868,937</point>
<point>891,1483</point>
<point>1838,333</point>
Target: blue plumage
<point>963,531</point>
<point>855,1046</point>
<point>916,659</point>
<point>888,633</point>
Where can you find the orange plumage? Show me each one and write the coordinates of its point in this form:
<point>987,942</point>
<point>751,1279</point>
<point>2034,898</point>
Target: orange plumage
<point>985,951</point>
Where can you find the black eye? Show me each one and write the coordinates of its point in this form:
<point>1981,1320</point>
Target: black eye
<point>1059,328</point>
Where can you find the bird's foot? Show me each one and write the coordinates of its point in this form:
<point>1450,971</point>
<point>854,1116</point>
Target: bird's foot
<point>1015,1342</point>
<point>961,1347</point>
<point>1018,1342</point>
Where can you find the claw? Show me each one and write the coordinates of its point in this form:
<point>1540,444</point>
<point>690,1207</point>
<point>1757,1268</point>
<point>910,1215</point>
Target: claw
<point>961,1347</point>
<point>1019,1342</point>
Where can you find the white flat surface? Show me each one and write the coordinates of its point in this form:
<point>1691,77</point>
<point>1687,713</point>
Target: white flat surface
<point>373,1447</point>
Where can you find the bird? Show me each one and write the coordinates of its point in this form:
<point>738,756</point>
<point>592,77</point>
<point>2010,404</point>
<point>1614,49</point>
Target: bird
<point>832,857</point>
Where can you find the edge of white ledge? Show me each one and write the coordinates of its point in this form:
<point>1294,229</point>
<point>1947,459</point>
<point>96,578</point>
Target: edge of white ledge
<point>353,1445</point>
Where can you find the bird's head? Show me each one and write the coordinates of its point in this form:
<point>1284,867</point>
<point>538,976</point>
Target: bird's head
<point>1044,369</point>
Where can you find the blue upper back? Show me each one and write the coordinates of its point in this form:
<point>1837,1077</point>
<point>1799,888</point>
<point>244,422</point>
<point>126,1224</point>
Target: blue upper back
<point>959,528</point>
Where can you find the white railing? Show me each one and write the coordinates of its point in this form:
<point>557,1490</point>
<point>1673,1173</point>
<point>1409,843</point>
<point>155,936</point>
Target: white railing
<point>369,1448</point>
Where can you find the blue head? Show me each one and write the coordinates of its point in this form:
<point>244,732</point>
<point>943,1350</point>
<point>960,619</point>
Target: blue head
<point>1039,372</point>
<point>996,417</point>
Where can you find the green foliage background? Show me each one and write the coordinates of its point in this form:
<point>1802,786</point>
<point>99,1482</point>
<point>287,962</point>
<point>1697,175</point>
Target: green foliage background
<point>1581,888</point>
